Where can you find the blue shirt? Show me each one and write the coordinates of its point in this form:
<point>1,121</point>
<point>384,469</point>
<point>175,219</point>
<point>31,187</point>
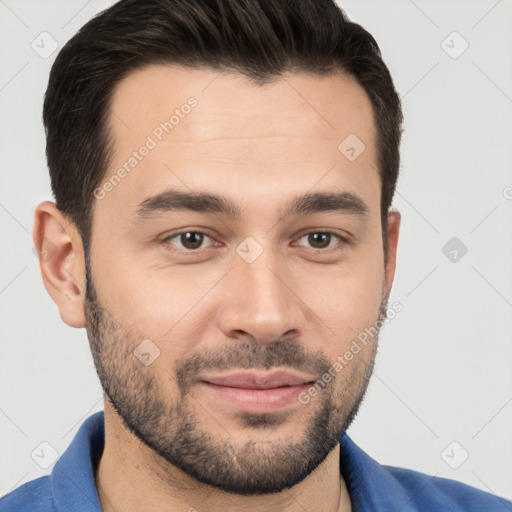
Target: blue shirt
<point>372,487</point>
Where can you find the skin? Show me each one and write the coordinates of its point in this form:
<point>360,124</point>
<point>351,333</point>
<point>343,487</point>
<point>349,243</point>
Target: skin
<point>259,146</point>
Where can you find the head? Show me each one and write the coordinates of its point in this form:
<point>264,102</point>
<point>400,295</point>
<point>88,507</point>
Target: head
<point>223,174</point>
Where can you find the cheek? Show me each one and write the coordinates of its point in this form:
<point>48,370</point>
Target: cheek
<point>170,308</point>
<point>348,299</point>
<point>350,286</point>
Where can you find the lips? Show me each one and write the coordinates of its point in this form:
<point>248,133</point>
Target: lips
<point>257,380</point>
<point>256,392</point>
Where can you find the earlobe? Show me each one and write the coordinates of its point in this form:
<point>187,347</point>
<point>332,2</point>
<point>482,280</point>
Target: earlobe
<point>61,260</point>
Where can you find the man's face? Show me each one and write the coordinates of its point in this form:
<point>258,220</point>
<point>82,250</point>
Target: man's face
<point>207,327</point>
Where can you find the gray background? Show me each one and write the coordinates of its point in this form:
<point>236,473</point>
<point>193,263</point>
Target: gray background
<point>442,389</point>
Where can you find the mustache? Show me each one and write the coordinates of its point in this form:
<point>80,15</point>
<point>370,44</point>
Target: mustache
<point>246,355</point>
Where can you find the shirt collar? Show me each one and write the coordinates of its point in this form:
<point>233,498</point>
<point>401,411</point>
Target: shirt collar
<point>372,488</point>
<point>72,478</point>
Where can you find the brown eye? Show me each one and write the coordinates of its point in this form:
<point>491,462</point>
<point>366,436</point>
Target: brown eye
<point>321,239</point>
<point>189,240</point>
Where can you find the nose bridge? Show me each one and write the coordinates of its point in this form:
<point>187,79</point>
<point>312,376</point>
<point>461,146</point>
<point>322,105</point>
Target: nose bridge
<point>258,300</point>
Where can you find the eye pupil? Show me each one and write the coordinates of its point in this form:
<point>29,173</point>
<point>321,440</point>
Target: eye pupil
<point>319,240</point>
<point>191,240</point>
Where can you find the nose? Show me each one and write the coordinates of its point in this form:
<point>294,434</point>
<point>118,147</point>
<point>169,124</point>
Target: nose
<point>261,301</point>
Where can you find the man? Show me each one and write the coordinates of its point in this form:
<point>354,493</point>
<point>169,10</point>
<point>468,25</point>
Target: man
<point>223,174</point>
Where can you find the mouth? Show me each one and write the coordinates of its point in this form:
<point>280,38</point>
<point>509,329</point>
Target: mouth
<point>257,392</point>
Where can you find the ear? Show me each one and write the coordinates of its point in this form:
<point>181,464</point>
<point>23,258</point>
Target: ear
<point>61,259</point>
<point>394,218</point>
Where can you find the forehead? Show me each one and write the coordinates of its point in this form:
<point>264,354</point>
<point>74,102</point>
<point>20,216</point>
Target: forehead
<point>208,130</point>
<point>295,102</point>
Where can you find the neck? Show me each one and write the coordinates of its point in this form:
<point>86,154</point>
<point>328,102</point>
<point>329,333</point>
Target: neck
<point>130,476</point>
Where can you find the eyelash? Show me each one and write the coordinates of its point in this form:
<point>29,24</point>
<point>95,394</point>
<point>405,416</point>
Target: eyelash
<point>170,247</point>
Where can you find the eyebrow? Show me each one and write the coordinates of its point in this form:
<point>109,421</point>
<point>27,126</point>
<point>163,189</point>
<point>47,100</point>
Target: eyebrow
<point>173,200</point>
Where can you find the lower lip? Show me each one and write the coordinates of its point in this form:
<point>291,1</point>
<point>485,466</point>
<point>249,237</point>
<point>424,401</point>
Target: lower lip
<point>257,400</point>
